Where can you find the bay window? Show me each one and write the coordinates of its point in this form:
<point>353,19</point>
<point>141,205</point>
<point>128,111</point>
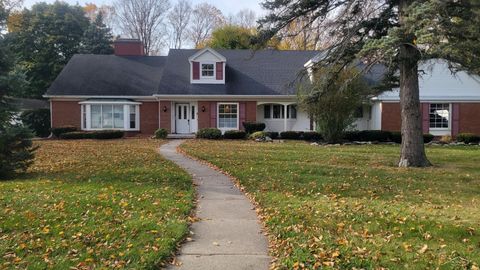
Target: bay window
<point>118,115</point>
<point>227,116</point>
<point>277,111</point>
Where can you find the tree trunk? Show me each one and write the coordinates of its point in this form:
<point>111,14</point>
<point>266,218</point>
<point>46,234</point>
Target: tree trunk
<point>413,149</point>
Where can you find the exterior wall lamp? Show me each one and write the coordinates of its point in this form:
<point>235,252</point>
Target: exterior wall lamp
<point>165,108</point>
<point>203,108</point>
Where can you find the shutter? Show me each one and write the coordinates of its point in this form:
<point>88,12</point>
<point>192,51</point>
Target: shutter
<point>426,117</point>
<point>196,70</point>
<point>213,114</point>
<point>219,71</point>
<point>242,115</point>
<point>455,119</point>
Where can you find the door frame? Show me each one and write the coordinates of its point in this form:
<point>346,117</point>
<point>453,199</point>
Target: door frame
<point>192,123</point>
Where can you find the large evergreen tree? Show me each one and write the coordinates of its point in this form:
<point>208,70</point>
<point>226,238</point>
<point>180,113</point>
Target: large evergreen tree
<point>46,37</point>
<point>98,38</point>
<point>397,33</point>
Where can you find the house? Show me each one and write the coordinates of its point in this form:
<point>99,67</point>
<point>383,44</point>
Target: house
<point>193,89</point>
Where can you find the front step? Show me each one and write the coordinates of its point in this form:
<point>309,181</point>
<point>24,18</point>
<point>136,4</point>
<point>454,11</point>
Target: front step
<point>181,136</point>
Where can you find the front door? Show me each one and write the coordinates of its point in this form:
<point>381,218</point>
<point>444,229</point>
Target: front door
<point>182,118</point>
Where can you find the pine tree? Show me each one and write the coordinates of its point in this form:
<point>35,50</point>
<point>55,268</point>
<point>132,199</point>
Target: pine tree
<point>399,34</point>
<point>97,39</point>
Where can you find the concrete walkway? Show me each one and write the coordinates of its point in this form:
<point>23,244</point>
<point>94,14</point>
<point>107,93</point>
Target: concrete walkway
<point>228,234</point>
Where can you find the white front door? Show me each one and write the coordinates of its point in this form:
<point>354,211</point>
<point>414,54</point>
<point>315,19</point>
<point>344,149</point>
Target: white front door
<point>182,118</point>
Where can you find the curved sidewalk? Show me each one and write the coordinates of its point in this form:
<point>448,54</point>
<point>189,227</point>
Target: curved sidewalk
<point>228,234</point>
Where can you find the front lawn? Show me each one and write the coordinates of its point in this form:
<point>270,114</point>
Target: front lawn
<point>94,204</point>
<point>350,207</point>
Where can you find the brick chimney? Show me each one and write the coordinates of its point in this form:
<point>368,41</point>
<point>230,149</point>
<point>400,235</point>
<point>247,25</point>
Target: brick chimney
<point>128,47</point>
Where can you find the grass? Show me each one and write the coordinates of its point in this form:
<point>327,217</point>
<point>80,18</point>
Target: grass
<point>94,204</point>
<point>350,207</point>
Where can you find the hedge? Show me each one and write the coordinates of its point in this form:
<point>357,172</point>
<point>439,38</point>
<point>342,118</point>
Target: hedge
<point>235,134</point>
<point>60,130</point>
<point>311,136</point>
<point>291,135</point>
<point>468,138</point>
<point>209,133</point>
<point>99,135</point>
<point>252,127</point>
<point>396,136</point>
<point>273,134</point>
<point>161,133</point>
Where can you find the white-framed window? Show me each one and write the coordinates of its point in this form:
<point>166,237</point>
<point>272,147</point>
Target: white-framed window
<point>110,115</point>
<point>207,70</point>
<point>439,114</point>
<point>227,116</point>
<point>276,111</point>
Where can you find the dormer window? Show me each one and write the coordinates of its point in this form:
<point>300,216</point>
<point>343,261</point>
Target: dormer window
<point>208,70</point>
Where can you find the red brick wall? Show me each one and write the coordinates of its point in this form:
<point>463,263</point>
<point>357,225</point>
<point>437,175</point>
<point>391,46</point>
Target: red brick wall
<point>148,117</point>
<point>391,119</point>
<point>128,47</point>
<point>166,117</point>
<point>469,118</point>
<point>66,113</point>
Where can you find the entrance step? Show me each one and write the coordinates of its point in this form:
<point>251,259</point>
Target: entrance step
<point>181,136</point>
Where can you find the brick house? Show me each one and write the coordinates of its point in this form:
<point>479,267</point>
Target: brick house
<point>193,89</point>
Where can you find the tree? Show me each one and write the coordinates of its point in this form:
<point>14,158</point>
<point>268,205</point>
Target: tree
<point>245,18</point>
<point>396,33</point>
<point>332,98</point>
<point>144,19</point>
<point>97,39</point>
<point>44,40</point>
<point>178,19</point>
<point>231,37</point>
<point>205,18</point>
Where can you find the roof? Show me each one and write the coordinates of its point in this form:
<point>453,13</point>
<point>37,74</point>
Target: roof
<point>264,72</point>
<point>109,75</point>
<point>28,103</point>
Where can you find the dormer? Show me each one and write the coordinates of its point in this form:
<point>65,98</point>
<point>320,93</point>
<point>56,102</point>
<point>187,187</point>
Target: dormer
<point>208,67</point>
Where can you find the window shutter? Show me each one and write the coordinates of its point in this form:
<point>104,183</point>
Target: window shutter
<point>219,68</point>
<point>426,117</point>
<point>195,70</point>
<point>455,119</point>
<point>243,115</point>
<point>213,114</point>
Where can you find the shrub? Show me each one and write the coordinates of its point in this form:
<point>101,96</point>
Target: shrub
<point>291,135</point>
<point>252,127</point>
<point>38,120</point>
<point>428,138</point>
<point>161,133</point>
<point>273,135</point>
<point>368,135</point>
<point>468,138</point>
<point>209,133</point>
<point>312,136</point>
<point>258,135</point>
<point>100,135</point>
<point>396,136</point>
<point>16,150</point>
<point>60,130</point>
<point>446,139</point>
<point>235,134</point>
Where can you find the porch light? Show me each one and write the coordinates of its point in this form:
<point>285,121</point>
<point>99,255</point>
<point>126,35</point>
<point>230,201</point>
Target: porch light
<point>203,108</point>
<point>165,108</point>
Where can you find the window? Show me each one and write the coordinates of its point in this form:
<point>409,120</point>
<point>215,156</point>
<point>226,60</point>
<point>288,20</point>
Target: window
<point>439,115</point>
<point>278,111</point>
<point>193,112</point>
<point>208,70</point>
<point>109,116</point>
<point>228,116</point>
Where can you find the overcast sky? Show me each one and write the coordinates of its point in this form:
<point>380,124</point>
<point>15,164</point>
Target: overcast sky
<point>226,6</point>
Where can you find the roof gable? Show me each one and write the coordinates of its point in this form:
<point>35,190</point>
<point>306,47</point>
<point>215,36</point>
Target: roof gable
<point>207,54</point>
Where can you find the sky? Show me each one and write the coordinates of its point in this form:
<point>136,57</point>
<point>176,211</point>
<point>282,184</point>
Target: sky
<point>226,6</point>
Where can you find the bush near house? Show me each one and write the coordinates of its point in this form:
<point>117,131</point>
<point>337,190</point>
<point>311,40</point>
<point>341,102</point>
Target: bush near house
<point>311,136</point>
<point>428,138</point>
<point>209,133</point>
<point>38,120</point>
<point>468,138</point>
<point>252,127</point>
<point>258,135</point>
<point>100,135</point>
<point>291,135</point>
<point>273,134</point>
<point>57,131</point>
<point>367,136</point>
<point>161,133</point>
<point>235,134</point>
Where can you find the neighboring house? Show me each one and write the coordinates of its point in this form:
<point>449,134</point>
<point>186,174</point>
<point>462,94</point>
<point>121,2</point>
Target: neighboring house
<point>193,89</point>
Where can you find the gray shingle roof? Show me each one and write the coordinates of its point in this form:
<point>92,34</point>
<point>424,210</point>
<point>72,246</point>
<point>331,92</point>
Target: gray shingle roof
<point>109,75</point>
<point>265,72</point>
